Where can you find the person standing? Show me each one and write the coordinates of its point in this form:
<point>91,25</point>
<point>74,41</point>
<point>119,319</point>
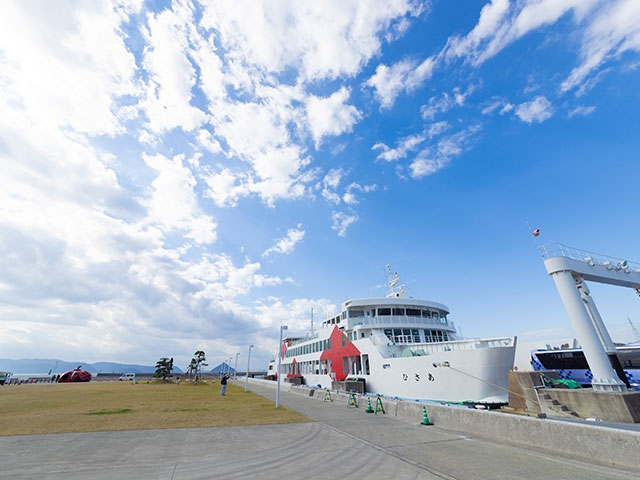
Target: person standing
<point>223,382</point>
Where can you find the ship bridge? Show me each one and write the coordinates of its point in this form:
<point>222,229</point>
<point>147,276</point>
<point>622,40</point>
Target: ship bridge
<point>570,268</point>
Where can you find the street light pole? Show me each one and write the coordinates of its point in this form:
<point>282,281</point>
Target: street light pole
<point>235,370</point>
<point>246,380</point>
<point>282,327</point>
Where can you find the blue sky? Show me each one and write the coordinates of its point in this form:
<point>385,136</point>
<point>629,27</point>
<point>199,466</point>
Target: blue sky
<point>182,176</point>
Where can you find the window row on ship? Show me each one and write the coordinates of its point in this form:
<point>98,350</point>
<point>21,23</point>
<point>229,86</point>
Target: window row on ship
<point>411,335</point>
<point>395,335</point>
<point>382,315</point>
<point>354,365</point>
<point>313,347</point>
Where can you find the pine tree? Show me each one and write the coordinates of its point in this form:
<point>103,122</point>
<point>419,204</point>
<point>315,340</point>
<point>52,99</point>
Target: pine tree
<point>197,362</point>
<point>164,366</point>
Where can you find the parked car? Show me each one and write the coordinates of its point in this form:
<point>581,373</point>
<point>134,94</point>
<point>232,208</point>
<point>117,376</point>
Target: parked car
<point>127,377</point>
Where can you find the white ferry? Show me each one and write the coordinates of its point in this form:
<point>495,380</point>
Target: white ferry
<point>400,347</point>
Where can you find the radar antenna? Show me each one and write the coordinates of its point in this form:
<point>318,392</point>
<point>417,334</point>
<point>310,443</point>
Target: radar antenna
<point>394,279</point>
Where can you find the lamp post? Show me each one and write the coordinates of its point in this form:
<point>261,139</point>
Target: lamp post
<point>282,327</point>
<point>235,370</point>
<point>229,363</point>
<point>246,380</point>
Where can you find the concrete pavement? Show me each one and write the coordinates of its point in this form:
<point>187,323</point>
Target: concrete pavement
<point>340,442</point>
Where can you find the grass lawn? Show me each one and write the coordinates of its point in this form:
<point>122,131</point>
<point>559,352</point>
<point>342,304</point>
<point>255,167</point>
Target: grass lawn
<point>98,406</point>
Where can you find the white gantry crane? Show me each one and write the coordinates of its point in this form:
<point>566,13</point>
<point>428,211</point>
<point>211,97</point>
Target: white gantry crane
<point>570,269</point>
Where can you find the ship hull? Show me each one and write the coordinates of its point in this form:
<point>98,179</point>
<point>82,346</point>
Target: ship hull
<point>473,375</point>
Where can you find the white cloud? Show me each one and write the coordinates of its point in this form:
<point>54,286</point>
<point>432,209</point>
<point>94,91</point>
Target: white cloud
<point>497,103</point>
<point>225,188</point>
<point>172,76</point>
<point>444,103</point>
<point>341,222</point>
<point>537,110</point>
<point>330,115</point>
<point>433,158</point>
<point>582,110</point>
<point>67,72</point>
<point>606,30</point>
<point>349,196</point>
<point>288,243</point>
<point>331,39</point>
<point>173,203</point>
<point>208,141</point>
<point>502,22</point>
<point>614,29</point>
<point>404,76</point>
<point>437,128</point>
<point>405,146</point>
<point>330,184</point>
<point>486,38</point>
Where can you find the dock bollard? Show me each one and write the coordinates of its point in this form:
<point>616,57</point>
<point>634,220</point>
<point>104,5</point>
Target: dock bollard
<point>425,418</point>
<point>369,407</point>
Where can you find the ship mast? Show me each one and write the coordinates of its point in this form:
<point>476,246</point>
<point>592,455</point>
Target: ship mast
<point>312,332</point>
<point>394,279</point>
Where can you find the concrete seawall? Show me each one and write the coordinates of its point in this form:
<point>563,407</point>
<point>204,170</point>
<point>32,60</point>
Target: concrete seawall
<point>593,442</point>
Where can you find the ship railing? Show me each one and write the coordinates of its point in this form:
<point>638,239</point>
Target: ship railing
<point>456,345</point>
<point>553,250</point>
<point>394,320</point>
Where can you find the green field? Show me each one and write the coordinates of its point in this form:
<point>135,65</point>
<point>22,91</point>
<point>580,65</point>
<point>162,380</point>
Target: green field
<point>100,406</point>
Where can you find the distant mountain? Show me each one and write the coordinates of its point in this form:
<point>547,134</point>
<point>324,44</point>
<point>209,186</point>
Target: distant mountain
<point>36,365</point>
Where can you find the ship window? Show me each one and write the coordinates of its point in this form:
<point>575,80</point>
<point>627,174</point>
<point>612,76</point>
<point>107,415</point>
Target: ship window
<point>344,315</point>
<point>358,365</point>
<point>384,311</point>
<point>344,341</point>
<point>365,363</point>
<point>426,314</point>
<point>356,313</point>
<point>629,358</point>
<point>389,333</point>
<point>563,360</point>
<point>416,335</point>
<point>413,312</point>
<point>398,311</point>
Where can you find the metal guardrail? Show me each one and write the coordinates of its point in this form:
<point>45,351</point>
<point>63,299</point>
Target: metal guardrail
<point>590,258</point>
